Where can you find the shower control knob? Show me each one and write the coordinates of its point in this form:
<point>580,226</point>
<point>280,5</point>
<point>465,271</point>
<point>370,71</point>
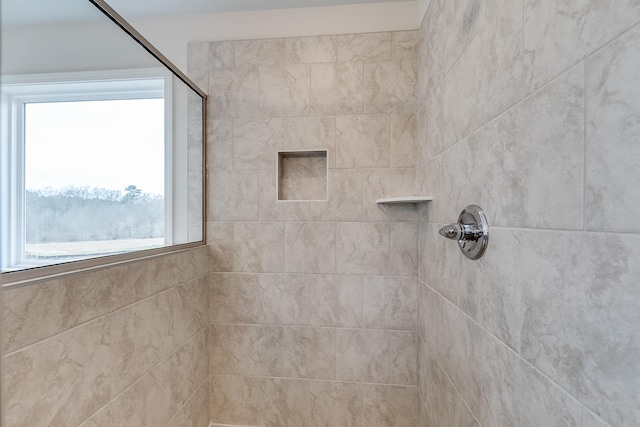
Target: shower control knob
<point>451,231</point>
<point>471,231</point>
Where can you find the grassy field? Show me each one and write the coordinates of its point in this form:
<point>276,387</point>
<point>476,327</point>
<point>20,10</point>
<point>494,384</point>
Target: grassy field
<point>79,249</point>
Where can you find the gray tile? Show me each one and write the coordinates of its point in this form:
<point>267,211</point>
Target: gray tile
<point>337,89</point>
<point>362,248</point>
<point>234,92</point>
<point>370,46</point>
<point>557,34</point>
<point>285,91</point>
<point>345,197</point>
<point>526,167</point>
<point>390,406</point>
<point>613,124</point>
<point>335,301</point>
<point>310,247</point>
<point>233,196</point>
<point>265,52</point>
<point>259,247</point>
<point>391,86</point>
<point>308,50</point>
<point>256,143</point>
<point>362,141</point>
<point>362,355</point>
<point>390,303</point>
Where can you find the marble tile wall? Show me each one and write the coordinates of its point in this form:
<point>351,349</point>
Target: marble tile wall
<point>530,109</point>
<point>121,346</point>
<point>312,304</point>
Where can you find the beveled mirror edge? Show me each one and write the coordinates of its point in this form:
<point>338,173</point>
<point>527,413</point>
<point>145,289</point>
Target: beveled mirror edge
<point>21,278</point>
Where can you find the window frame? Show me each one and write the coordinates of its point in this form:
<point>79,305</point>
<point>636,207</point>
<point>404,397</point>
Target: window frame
<point>67,87</point>
<point>17,91</point>
<point>39,274</point>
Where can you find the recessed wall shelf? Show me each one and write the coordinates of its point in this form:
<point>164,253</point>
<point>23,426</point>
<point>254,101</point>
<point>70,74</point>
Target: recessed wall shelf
<point>302,175</point>
<point>404,200</point>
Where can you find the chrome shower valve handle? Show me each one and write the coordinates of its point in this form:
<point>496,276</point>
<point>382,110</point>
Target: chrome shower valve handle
<point>471,231</point>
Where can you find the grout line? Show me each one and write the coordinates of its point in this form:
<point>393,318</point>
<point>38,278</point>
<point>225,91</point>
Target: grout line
<point>361,383</point>
<point>104,315</point>
<point>498,341</point>
<point>584,147</point>
<point>148,372</point>
<point>458,392</point>
<point>191,396</point>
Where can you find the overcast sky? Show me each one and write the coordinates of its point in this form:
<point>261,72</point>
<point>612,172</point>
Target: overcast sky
<point>106,144</point>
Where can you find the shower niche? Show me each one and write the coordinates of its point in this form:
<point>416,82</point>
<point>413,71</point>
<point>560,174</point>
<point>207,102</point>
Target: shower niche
<point>302,175</point>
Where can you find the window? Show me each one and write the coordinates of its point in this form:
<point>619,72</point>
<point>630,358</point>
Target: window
<point>91,166</point>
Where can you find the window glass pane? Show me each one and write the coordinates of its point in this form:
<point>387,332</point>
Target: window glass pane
<point>93,189</point>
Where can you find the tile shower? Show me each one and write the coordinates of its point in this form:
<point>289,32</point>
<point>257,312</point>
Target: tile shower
<point>313,303</point>
<point>345,312</point>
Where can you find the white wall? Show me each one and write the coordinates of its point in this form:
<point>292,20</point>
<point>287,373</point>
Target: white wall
<point>97,46</point>
<point>170,34</point>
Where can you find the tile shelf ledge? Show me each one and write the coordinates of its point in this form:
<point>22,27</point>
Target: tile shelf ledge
<point>406,199</point>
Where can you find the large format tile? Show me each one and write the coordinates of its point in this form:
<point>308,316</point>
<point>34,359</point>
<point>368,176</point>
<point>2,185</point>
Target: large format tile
<point>311,133</point>
<point>526,167</point>
<point>580,321</point>
<point>195,413</point>
<point>345,197</point>
<point>262,299</point>
<point>91,295</point>
<point>135,348</point>
<point>237,400</point>
<point>198,63</point>
<point>219,145</point>
<point>466,100</point>
<point>265,52</point>
<point>613,124</point>
<point>256,143</point>
<point>370,46</point>
<point>403,358</point>
<point>158,396</point>
<point>234,92</point>
<point>308,50</point>
<point>390,406</point>
<point>232,195</point>
<point>258,247</point>
<point>362,248</point>
<point>60,381</point>
<point>362,141</point>
<point>292,352</point>
<point>390,303</point>
<point>220,241</point>
<point>441,47</point>
<point>404,147</point>
<point>404,44</point>
<point>337,88</point>
<point>515,393</point>
<point>292,403</point>
<point>30,314</point>
<point>335,301</point>
<point>309,353</point>
<point>285,91</point>
<point>310,247</point>
<point>221,54</point>
<point>362,355</point>
<point>391,86</point>
<point>558,34</point>
<point>403,249</point>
